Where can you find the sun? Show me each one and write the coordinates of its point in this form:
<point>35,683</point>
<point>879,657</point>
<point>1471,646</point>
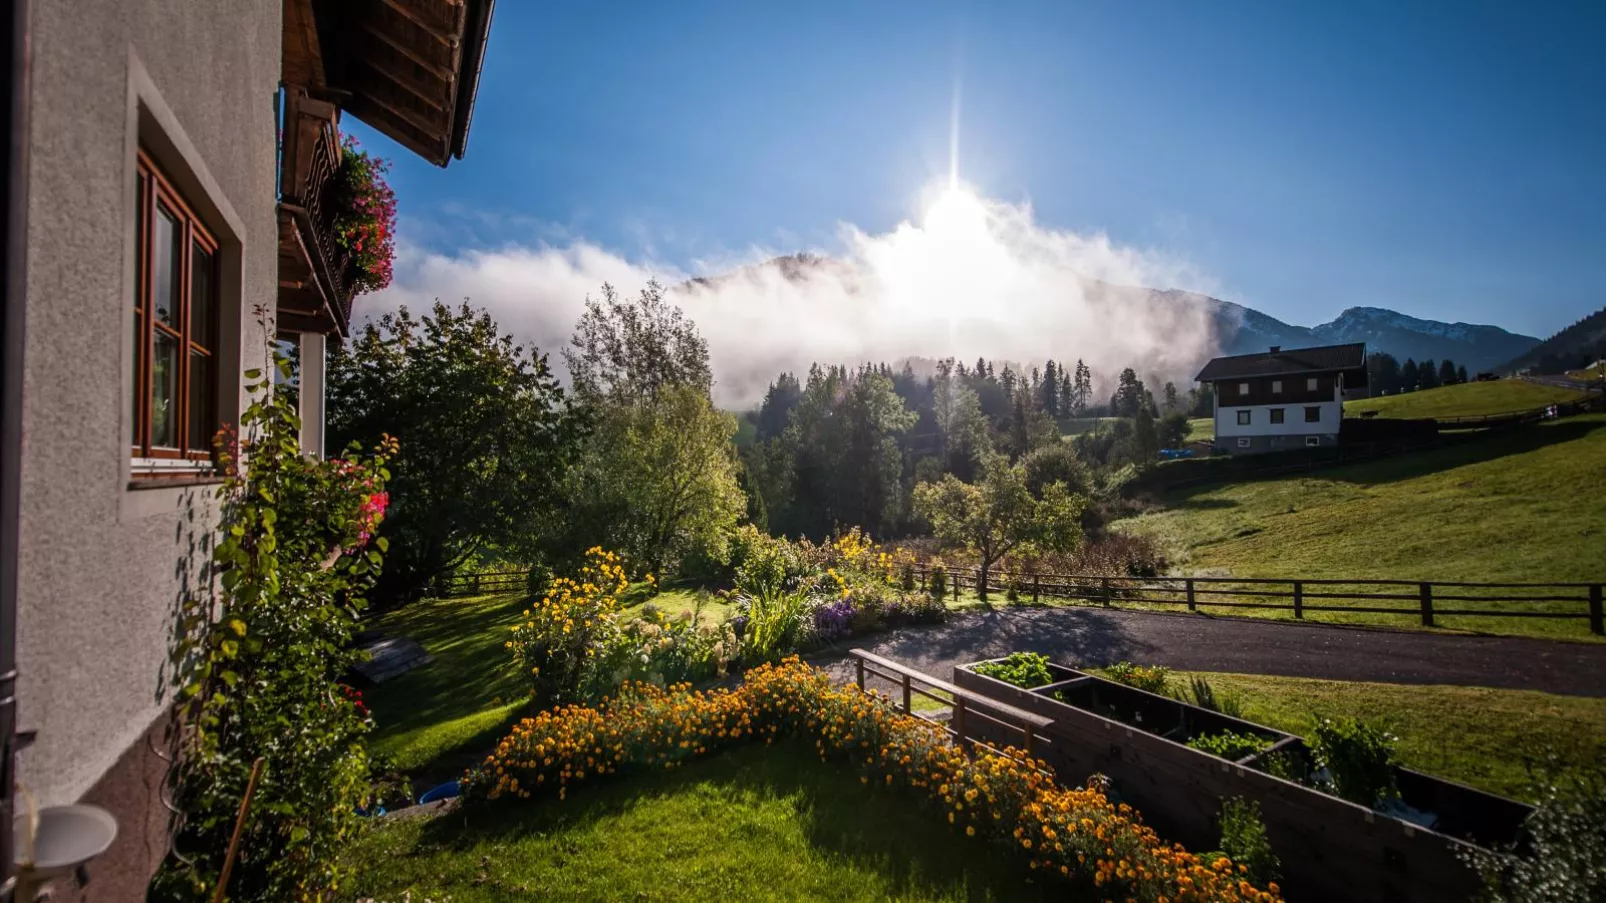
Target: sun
<point>957,216</point>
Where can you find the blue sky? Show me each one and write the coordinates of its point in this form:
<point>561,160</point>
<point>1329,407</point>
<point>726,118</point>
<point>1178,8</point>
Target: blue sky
<point>1447,160</point>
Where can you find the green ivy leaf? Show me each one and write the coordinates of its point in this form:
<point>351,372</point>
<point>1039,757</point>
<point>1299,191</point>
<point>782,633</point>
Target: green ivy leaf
<point>238,626</point>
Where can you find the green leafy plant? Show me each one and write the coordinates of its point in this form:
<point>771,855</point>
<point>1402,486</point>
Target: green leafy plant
<point>1203,695</point>
<point>937,581</point>
<point>1229,745</point>
<point>1358,757</point>
<point>1152,678</point>
<point>1244,840</point>
<point>1023,669</point>
<point>1286,765</point>
<point>259,665</point>
<point>1561,855</point>
<point>774,619</point>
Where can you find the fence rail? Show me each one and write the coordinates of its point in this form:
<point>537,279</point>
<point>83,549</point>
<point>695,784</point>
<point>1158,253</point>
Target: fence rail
<point>484,582</point>
<point>1426,600</point>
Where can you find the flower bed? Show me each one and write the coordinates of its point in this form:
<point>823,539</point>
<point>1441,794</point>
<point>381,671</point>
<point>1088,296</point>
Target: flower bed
<point>1077,834</point>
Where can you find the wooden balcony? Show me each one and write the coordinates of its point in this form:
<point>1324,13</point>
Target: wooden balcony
<point>313,291</point>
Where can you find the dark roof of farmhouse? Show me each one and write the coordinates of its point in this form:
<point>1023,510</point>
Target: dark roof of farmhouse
<point>1277,362</point>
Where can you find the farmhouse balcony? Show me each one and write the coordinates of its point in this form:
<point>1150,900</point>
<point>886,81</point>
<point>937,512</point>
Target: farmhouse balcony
<point>314,295</point>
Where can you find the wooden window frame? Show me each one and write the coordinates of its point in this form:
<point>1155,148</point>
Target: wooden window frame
<point>1312,385</point>
<point>189,453</point>
<point>1313,414</point>
<point>1276,415</point>
<point>1243,389</point>
<point>1276,387</point>
<point>1245,418</point>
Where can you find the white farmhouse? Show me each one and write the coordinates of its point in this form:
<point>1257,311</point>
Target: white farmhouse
<point>1275,400</point>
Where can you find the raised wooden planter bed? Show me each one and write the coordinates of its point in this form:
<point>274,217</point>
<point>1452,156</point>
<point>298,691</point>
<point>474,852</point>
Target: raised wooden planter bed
<point>1331,849</point>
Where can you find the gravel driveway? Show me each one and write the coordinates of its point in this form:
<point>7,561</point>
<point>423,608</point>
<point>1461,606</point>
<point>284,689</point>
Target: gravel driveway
<point>1202,643</point>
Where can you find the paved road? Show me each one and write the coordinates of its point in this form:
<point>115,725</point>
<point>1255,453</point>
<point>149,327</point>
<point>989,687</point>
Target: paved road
<point>1201,643</point>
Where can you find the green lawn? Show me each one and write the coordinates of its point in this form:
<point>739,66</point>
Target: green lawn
<point>1075,426</point>
<point>463,700</point>
<point>755,823</point>
<point>1476,736</point>
<point>674,601</point>
<point>1522,506</point>
<point>1201,429</point>
<point>1473,399</point>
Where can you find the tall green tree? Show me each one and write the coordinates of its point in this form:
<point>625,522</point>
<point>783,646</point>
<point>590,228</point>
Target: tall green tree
<point>998,515</point>
<point>657,477</point>
<point>1130,395</point>
<point>486,436</point>
<point>1051,389</point>
<point>1145,438</point>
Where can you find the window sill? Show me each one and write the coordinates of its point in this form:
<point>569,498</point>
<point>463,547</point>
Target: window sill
<point>159,481</point>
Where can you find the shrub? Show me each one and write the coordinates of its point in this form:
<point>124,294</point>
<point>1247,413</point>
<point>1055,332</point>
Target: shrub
<point>539,580</point>
<point>1152,678</point>
<point>567,643</point>
<point>906,577</point>
<point>764,571</point>
<point>1203,695</point>
<point>915,608</point>
<point>937,581</point>
<point>1243,838</point>
<point>1562,849</point>
<point>1023,669</point>
<point>259,665</point>
<point>1229,745</point>
<point>1358,758</point>
<point>1101,848</point>
<point>1012,589</point>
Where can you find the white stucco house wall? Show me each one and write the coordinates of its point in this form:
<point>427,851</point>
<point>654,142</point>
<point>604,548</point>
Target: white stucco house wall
<point>163,228</point>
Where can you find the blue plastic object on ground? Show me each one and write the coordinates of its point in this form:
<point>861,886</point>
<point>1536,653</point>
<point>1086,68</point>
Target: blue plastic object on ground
<point>444,792</point>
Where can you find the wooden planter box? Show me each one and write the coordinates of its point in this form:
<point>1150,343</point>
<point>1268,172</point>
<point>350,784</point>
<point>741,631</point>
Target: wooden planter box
<point>1331,849</point>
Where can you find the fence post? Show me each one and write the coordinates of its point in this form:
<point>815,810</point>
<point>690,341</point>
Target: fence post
<point>858,666</point>
<point>956,585</point>
<point>476,584</point>
<point>1299,600</point>
<point>959,721</point>
<point>1426,593</point>
<point>1192,606</point>
<point>1597,617</point>
<point>1037,587</point>
<point>1104,590</point>
<point>906,693</point>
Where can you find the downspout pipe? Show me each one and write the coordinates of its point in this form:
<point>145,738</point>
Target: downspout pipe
<point>14,62</point>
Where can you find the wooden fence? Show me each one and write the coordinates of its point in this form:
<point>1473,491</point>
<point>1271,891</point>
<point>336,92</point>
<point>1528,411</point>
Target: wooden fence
<point>973,717</point>
<point>484,582</point>
<point>1427,600</point>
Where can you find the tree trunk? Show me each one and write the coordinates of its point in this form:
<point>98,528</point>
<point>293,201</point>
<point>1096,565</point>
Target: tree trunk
<point>981,582</point>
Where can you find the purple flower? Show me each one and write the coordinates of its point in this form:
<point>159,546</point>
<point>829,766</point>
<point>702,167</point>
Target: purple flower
<point>833,620</point>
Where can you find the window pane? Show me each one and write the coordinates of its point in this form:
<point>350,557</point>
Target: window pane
<point>202,303</point>
<point>164,391</point>
<point>202,424</point>
<point>166,249</point>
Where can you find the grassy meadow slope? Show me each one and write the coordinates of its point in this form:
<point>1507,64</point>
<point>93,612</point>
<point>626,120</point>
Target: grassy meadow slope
<point>1522,506</point>
<point>1473,399</point>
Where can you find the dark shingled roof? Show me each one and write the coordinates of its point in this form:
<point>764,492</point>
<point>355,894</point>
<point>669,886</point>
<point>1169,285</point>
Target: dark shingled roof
<point>1326,359</point>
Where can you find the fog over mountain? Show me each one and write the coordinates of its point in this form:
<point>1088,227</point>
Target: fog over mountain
<point>975,278</point>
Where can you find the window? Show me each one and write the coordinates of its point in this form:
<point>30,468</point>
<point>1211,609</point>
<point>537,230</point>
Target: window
<point>1310,384</point>
<point>1243,418</point>
<point>1313,441</point>
<point>1243,388</point>
<point>1243,441</point>
<point>1313,415</point>
<point>175,325</point>
<point>1276,386</point>
<point>1276,415</point>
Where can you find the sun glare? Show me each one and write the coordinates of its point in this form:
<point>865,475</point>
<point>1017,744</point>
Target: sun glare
<point>957,215</point>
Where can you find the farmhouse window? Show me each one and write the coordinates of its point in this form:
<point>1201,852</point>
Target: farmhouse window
<point>1313,441</point>
<point>175,325</point>
<point>1276,415</point>
<point>1243,388</point>
<point>1243,418</point>
<point>1310,384</point>
<point>1276,386</point>
<point>1313,415</point>
<point>1243,441</point>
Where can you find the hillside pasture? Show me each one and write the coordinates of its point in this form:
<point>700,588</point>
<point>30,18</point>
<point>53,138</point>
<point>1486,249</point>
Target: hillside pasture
<point>1515,507</point>
<point>1472,399</point>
